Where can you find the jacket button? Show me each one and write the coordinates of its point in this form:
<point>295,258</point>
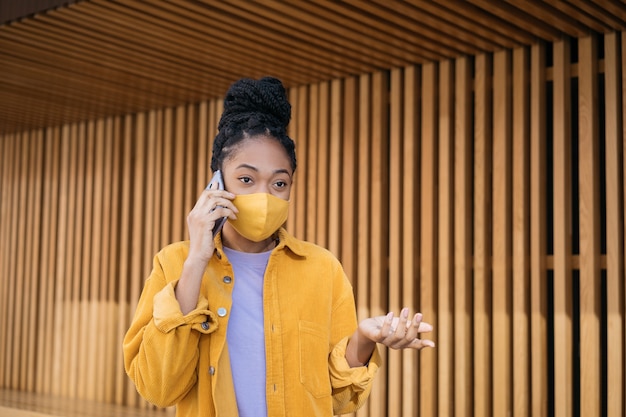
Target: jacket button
<point>205,325</point>
<point>211,370</point>
<point>221,311</point>
<point>227,280</point>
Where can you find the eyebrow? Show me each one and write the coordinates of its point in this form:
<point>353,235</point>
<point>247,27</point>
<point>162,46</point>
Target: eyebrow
<point>278,171</point>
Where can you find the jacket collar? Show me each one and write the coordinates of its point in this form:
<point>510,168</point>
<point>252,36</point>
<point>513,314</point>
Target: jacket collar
<point>286,240</point>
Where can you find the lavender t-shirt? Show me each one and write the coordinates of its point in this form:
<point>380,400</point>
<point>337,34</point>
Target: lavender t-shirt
<point>245,334</point>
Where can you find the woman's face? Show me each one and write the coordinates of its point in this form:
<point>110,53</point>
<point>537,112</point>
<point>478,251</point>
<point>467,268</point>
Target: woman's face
<point>258,165</point>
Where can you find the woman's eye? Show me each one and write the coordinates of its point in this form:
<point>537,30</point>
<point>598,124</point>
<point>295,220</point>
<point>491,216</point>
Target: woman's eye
<point>281,184</point>
<point>245,180</point>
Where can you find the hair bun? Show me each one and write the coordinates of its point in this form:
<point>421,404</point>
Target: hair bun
<point>265,98</point>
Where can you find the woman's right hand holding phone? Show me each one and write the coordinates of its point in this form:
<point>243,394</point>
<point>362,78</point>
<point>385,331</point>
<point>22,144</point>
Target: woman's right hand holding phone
<point>213,205</point>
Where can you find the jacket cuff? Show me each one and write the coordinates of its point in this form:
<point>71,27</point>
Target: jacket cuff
<point>359,377</point>
<point>168,316</point>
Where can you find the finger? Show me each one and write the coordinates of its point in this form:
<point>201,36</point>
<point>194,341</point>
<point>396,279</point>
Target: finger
<point>420,344</point>
<point>414,327</point>
<point>385,330</point>
<point>401,328</point>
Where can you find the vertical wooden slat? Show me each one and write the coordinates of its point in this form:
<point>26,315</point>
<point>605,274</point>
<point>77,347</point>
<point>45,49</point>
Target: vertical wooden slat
<point>6,146</point>
<point>127,303</point>
<point>300,128</point>
<point>115,305</point>
<point>335,189</point>
<point>73,301</point>
<point>520,233</point>
<point>501,278</point>
<point>157,198</point>
<point>349,181</point>
<point>121,235</point>
<point>410,222</point>
<point>482,237</point>
<point>36,160</point>
<point>167,186</point>
<point>98,353</point>
<point>150,190</point>
<point>562,233</point>
<point>364,309</point>
<point>312,161</point>
<point>57,346</point>
<point>26,253</point>
<point>445,238</point>
<point>428,238</point>
<point>21,244</point>
<point>615,226</point>
<point>364,196</point>
<point>137,173</point>
<point>86,349</point>
<point>622,75</point>
<point>378,187</point>
<point>394,357</point>
<point>203,153</point>
<point>192,189</point>
<point>590,284</point>
<point>463,158</point>
<point>538,233</point>
<point>50,144</point>
<point>104,311</point>
<point>178,190</point>
<point>322,182</point>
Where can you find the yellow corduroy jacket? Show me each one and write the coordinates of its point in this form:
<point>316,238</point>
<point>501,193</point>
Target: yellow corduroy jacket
<point>309,316</point>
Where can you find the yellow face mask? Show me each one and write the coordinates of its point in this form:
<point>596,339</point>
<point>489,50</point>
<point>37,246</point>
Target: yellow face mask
<point>260,215</point>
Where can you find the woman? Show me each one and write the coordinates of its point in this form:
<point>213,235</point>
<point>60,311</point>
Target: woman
<point>254,322</point>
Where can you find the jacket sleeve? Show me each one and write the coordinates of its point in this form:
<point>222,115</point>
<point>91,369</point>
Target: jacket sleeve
<point>161,346</point>
<point>351,386</point>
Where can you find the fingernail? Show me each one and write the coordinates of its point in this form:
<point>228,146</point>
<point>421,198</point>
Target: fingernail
<point>389,316</point>
<point>405,312</point>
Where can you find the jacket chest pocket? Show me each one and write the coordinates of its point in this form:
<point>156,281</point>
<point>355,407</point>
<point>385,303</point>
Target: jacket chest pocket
<point>314,359</point>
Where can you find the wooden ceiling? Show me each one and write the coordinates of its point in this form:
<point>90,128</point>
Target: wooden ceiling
<point>97,58</point>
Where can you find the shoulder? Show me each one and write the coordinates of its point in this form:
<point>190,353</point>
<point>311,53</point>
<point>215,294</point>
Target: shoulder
<point>308,251</point>
<point>173,255</point>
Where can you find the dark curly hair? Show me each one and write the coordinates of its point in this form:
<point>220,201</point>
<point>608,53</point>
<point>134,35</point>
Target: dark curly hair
<point>251,108</point>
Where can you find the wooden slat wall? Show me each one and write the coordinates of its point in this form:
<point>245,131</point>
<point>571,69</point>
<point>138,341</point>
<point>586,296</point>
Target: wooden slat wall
<point>448,188</point>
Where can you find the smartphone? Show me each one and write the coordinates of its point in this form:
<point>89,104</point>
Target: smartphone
<point>218,181</point>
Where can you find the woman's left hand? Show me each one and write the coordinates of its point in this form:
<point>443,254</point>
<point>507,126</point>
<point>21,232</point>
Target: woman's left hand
<point>397,332</point>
